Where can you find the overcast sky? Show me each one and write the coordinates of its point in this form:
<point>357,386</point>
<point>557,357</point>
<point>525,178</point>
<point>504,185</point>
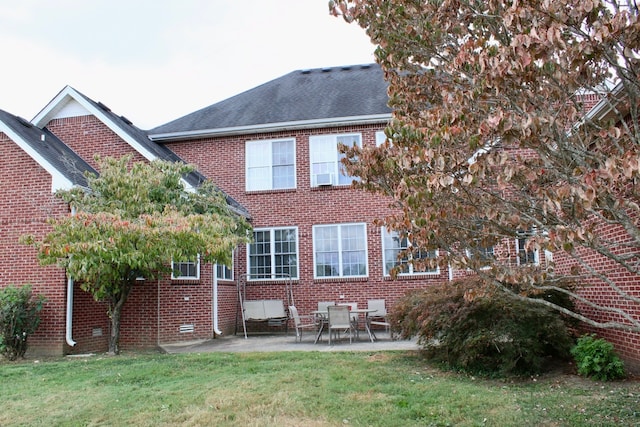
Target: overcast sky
<point>156,60</point>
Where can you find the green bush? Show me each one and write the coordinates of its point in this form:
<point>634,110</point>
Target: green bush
<point>596,358</point>
<point>468,327</point>
<point>19,318</point>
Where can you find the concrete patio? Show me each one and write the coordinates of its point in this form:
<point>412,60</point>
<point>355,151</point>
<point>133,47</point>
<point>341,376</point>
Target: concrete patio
<point>287,342</point>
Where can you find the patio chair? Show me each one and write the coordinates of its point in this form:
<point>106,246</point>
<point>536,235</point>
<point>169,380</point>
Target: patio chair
<point>302,322</point>
<point>339,320</point>
<point>355,317</point>
<point>378,317</point>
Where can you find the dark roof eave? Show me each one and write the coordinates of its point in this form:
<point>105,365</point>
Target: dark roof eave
<point>272,127</point>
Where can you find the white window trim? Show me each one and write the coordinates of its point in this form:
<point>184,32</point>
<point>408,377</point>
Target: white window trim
<point>336,161</point>
<point>273,254</point>
<point>270,141</point>
<point>380,138</point>
<point>340,251</point>
<point>173,269</point>
<point>410,272</point>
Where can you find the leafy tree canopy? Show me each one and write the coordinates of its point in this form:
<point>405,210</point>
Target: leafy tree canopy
<point>132,221</point>
<point>490,138</point>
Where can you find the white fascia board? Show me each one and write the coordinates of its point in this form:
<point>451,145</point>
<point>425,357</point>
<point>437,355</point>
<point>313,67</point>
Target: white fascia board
<point>58,180</point>
<point>604,106</point>
<point>58,103</point>
<point>273,127</point>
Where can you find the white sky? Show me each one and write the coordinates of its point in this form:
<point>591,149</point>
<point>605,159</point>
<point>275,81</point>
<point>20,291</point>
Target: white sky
<point>156,60</point>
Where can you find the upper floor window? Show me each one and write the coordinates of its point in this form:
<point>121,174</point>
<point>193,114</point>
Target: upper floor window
<point>270,164</point>
<point>340,250</point>
<point>326,168</point>
<point>380,138</point>
<point>186,270</point>
<point>397,252</point>
<point>273,254</point>
<point>525,255</point>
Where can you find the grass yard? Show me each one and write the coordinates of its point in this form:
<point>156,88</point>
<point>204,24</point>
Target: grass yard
<point>296,389</point>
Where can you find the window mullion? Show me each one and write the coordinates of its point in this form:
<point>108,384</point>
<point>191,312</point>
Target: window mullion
<point>271,185</point>
<point>272,248</point>
<point>340,267</point>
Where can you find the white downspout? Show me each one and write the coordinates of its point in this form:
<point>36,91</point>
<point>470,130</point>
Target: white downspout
<point>214,281</point>
<point>68,335</point>
<point>69,321</point>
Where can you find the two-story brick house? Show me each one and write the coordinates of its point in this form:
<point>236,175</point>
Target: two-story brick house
<point>274,150</point>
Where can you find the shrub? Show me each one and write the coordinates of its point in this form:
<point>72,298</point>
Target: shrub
<point>596,358</point>
<point>467,326</point>
<point>19,318</point>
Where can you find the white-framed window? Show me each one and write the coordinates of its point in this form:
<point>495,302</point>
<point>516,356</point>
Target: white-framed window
<point>326,168</point>
<point>273,254</point>
<point>484,255</point>
<point>224,272</point>
<point>340,250</point>
<point>270,164</point>
<point>380,138</point>
<point>186,270</point>
<point>393,246</point>
<point>524,255</point>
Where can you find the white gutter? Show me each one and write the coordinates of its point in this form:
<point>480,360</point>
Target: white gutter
<point>69,325</point>
<point>69,320</point>
<point>214,284</point>
<point>273,127</point>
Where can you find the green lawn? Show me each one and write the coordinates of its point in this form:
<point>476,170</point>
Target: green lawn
<point>296,389</point>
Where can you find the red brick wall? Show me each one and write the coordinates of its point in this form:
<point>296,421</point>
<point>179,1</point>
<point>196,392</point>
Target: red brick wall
<point>26,203</point>
<point>185,302</point>
<point>88,137</point>
<point>627,344</point>
<point>302,208</point>
<point>90,323</point>
<point>139,322</point>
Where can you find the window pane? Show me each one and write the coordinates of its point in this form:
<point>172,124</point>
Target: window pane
<point>223,272</point>
<point>394,246</point>
<point>327,264</point>
<point>260,255</point>
<point>283,177</point>
<point>258,179</point>
<point>340,250</point>
<point>286,259</point>
<point>185,270</point>
<point>354,263</point>
<point>283,164</point>
<point>273,254</point>
<point>349,141</point>
<point>270,165</point>
<point>353,237</point>
<point>323,155</point>
<point>282,153</point>
<point>525,256</point>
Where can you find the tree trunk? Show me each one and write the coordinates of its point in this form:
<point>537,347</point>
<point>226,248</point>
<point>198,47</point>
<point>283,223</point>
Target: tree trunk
<point>114,336</point>
<point>115,311</point>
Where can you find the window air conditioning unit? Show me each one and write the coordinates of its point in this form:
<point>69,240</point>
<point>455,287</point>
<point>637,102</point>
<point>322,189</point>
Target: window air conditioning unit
<point>324,179</point>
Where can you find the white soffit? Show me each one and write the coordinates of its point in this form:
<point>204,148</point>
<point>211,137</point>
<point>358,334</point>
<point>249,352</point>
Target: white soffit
<point>70,108</point>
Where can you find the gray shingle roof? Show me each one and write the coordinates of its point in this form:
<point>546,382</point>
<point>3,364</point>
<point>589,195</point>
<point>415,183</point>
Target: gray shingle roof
<point>50,148</point>
<point>303,95</point>
<point>194,178</point>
